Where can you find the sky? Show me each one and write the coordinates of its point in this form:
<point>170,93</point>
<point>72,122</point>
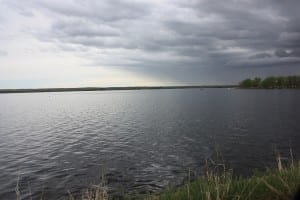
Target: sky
<point>76,43</point>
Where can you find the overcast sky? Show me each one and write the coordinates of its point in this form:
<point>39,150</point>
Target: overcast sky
<point>77,43</point>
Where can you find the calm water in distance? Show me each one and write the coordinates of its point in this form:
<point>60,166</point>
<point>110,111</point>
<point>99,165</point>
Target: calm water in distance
<point>140,140</point>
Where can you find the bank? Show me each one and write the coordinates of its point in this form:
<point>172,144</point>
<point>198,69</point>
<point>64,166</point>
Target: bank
<point>279,183</point>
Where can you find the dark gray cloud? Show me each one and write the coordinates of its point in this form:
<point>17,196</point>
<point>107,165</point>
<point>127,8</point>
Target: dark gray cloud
<point>260,56</point>
<point>185,40</point>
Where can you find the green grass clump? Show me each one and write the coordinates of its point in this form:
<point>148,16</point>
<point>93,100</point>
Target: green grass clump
<point>275,184</point>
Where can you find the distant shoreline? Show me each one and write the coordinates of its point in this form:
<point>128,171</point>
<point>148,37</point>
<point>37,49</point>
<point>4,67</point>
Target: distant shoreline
<point>39,90</point>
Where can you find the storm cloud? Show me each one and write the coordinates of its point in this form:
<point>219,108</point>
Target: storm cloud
<point>189,42</point>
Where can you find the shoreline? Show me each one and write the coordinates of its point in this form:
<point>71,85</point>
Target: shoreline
<point>275,183</point>
<point>278,182</point>
<point>40,90</point>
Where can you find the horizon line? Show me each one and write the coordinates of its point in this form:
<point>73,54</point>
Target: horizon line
<point>75,89</point>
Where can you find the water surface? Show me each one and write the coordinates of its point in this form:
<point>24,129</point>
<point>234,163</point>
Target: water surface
<point>140,140</point>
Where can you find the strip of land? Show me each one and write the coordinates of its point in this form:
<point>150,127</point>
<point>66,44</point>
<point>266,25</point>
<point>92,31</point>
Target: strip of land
<point>110,88</point>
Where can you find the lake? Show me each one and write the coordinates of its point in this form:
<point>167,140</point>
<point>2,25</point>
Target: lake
<point>140,140</point>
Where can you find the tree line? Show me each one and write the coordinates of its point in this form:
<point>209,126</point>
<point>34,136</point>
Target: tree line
<point>272,82</point>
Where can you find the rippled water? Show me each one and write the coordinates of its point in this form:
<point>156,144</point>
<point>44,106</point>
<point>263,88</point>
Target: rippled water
<point>140,140</point>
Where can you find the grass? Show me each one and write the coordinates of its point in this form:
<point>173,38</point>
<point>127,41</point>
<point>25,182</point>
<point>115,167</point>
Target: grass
<point>279,183</point>
<point>96,192</point>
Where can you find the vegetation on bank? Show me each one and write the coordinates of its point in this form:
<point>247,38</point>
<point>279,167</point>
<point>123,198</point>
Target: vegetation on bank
<point>272,82</point>
<point>275,184</point>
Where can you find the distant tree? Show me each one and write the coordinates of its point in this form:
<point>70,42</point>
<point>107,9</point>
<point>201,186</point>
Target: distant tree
<point>298,82</point>
<point>256,82</point>
<point>272,82</point>
<point>247,83</point>
<point>269,82</point>
<point>281,82</point>
<point>290,81</point>
<point>293,81</point>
